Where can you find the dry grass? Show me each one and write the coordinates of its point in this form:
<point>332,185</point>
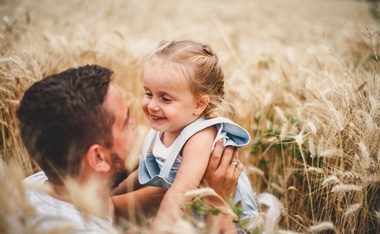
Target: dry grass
<point>303,76</point>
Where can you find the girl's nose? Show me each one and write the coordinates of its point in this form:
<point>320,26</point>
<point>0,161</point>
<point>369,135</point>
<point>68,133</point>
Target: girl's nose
<point>153,105</point>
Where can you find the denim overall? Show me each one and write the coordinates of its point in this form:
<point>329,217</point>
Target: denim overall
<point>151,173</point>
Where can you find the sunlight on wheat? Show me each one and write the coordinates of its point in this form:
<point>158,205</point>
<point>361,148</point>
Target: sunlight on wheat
<point>304,84</point>
<point>322,227</point>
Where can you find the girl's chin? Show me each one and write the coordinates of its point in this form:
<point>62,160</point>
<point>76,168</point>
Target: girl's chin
<point>155,127</point>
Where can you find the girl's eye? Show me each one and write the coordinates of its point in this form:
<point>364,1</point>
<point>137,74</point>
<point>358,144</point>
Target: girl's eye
<point>148,94</point>
<point>165,99</point>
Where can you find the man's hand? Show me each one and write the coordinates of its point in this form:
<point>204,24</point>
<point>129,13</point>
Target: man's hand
<point>221,175</point>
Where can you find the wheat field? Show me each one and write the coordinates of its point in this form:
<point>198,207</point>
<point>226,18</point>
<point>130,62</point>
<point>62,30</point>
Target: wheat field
<point>303,77</point>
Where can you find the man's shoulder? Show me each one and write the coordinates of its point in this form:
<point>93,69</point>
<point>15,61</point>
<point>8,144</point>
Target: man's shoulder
<point>53,214</point>
<point>37,178</point>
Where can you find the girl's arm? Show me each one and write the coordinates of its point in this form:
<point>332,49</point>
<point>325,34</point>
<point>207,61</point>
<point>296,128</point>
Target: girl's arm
<point>195,157</point>
<point>131,183</point>
<point>132,201</point>
<point>138,204</point>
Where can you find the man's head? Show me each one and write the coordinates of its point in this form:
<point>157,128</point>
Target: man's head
<point>64,115</point>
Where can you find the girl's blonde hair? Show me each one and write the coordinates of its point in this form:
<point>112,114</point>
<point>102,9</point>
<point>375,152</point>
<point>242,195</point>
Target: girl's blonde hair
<point>199,65</point>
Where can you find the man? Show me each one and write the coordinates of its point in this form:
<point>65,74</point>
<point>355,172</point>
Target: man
<point>79,130</point>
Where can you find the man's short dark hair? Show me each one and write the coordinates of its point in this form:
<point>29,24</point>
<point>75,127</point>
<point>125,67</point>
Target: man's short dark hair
<point>62,115</point>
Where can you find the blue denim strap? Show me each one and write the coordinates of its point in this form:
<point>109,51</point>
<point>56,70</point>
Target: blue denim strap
<point>241,134</point>
<point>148,142</point>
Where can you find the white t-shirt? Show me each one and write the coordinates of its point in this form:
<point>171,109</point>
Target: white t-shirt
<point>54,215</point>
<point>161,152</point>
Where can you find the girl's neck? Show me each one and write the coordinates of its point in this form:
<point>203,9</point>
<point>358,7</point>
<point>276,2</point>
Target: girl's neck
<point>167,138</point>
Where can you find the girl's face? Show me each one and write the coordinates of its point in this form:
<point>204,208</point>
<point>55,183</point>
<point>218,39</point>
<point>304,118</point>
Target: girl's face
<point>168,102</point>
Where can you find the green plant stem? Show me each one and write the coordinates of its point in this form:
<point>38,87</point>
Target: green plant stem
<point>308,182</point>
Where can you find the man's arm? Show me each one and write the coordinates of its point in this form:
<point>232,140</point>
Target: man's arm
<point>222,176</point>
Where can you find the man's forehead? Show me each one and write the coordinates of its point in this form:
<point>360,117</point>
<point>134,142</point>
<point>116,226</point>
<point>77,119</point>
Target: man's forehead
<point>112,95</point>
<point>114,101</point>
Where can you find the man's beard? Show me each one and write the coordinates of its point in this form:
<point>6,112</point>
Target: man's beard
<point>120,173</point>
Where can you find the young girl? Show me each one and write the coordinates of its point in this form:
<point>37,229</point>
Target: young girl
<point>184,97</point>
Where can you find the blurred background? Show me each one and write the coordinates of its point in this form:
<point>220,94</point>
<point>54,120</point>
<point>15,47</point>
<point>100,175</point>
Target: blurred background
<point>302,75</point>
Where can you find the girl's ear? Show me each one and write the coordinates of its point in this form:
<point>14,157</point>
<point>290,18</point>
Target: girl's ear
<point>201,104</point>
<point>96,159</point>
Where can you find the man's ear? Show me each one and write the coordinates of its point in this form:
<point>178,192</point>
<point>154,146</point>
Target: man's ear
<point>201,104</point>
<point>96,159</point>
